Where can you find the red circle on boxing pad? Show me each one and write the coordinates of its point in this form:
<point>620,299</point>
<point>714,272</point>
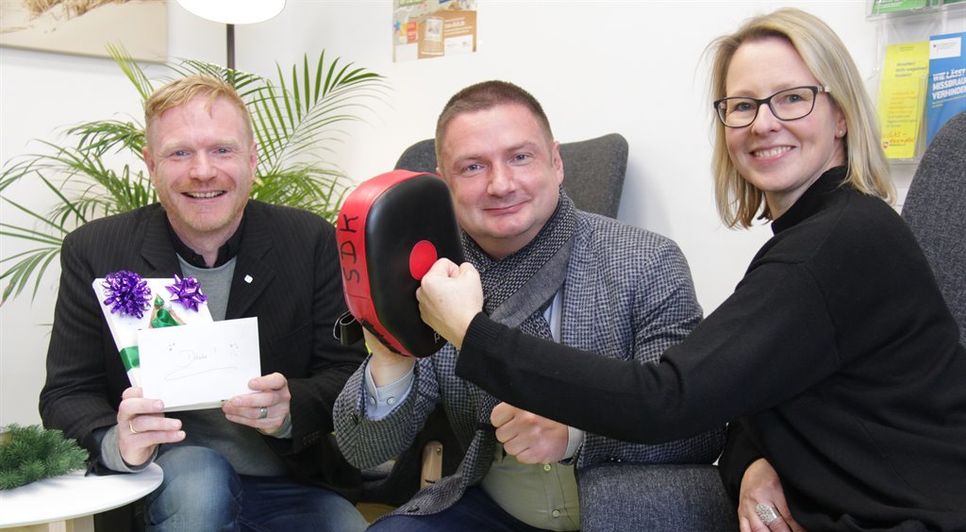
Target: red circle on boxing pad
<point>421,259</point>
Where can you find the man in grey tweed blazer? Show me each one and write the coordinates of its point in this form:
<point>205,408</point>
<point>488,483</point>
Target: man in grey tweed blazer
<point>579,278</point>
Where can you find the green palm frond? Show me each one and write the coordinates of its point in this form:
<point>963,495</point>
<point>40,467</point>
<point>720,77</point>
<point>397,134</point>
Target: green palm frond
<point>51,231</point>
<point>132,70</point>
<point>38,165</point>
<point>309,187</point>
<point>297,122</point>
<point>33,265</point>
<point>84,176</point>
<point>244,83</point>
<point>108,193</point>
<point>294,120</point>
<point>109,136</point>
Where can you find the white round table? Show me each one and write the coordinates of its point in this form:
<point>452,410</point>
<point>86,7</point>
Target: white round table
<point>74,496</point>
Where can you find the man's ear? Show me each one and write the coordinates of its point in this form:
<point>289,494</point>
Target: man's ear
<point>557,162</point>
<point>148,160</point>
<point>253,157</point>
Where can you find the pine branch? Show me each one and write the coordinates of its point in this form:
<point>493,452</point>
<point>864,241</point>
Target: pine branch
<point>31,453</point>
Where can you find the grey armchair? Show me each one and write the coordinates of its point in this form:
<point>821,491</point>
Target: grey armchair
<point>618,497</point>
<point>935,210</point>
<point>593,170</point>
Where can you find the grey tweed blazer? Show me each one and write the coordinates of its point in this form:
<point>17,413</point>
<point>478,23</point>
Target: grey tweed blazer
<point>628,294</point>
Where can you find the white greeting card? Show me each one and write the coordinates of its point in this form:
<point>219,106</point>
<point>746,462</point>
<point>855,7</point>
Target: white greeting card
<point>199,366</point>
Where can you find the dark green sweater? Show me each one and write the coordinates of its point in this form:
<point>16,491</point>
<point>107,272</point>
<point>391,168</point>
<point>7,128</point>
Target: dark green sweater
<point>836,353</point>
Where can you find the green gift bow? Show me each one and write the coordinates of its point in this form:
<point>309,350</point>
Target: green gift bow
<point>162,318</point>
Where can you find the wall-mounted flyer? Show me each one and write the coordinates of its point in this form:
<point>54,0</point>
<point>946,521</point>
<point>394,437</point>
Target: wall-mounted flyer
<point>947,81</point>
<point>902,97</point>
<point>424,29</point>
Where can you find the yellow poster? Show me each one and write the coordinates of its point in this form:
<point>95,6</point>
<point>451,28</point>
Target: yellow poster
<point>902,97</point>
<point>424,29</point>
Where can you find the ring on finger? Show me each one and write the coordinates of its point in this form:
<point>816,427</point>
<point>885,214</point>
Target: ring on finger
<point>767,513</point>
<point>263,412</point>
<point>130,425</point>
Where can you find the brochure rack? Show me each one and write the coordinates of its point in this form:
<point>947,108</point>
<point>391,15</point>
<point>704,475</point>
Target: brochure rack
<point>901,22</point>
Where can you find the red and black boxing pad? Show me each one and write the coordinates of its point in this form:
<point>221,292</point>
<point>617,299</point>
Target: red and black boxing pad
<point>390,231</point>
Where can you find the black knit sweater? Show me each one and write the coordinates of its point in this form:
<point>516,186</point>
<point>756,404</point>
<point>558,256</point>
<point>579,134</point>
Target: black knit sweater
<point>836,354</point>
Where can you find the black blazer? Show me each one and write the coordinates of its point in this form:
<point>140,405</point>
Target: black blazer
<point>295,291</point>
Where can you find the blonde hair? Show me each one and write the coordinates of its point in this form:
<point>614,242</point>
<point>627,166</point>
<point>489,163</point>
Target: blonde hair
<point>825,55</point>
<point>181,91</point>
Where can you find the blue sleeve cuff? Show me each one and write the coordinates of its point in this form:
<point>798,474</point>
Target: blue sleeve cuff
<point>382,400</point>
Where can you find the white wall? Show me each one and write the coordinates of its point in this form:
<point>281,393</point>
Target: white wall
<point>632,67</point>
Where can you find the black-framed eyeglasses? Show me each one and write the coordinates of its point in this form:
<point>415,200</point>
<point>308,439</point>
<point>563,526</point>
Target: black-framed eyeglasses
<point>788,104</point>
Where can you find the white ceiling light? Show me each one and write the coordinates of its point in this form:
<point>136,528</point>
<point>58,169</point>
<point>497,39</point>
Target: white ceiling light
<point>234,11</point>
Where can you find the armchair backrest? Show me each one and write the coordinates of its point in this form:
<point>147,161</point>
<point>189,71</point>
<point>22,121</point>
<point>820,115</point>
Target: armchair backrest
<point>935,210</point>
<point>593,170</point>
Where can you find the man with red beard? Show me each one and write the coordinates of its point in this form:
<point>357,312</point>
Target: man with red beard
<point>266,459</point>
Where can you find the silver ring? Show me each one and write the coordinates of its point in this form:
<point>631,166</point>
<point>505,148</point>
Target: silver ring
<point>263,412</point>
<point>767,513</point>
<point>130,425</point>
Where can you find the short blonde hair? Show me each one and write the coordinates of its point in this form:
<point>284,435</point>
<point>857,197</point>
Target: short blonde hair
<point>181,91</point>
<point>738,201</point>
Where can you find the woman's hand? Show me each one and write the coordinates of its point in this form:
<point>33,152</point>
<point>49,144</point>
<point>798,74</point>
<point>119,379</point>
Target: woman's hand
<point>449,297</point>
<point>761,503</point>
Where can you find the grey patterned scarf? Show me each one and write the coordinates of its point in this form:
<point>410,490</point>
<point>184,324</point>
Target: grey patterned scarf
<point>518,288</point>
<point>516,291</point>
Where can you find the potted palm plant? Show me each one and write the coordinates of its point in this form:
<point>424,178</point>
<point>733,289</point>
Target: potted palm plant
<point>296,119</point>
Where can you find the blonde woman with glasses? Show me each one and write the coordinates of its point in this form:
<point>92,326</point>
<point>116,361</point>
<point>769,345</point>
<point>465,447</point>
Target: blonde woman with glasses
<point>836,359</point>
